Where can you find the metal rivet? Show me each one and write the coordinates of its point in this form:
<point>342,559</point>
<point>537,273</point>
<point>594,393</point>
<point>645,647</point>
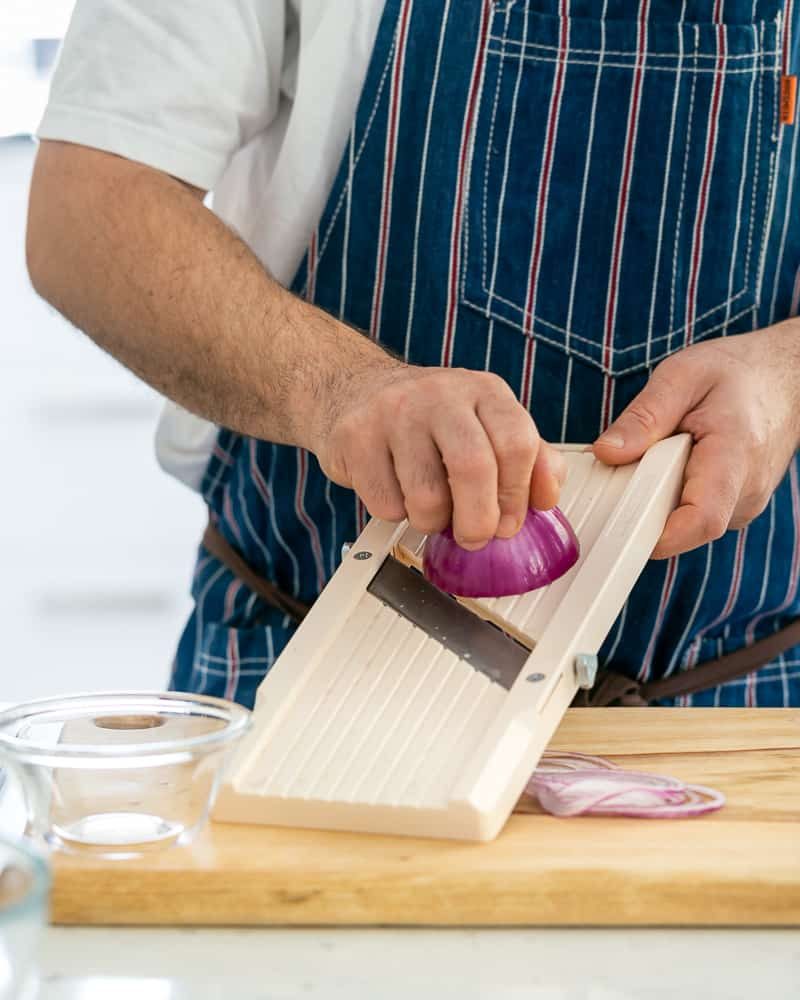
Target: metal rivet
<point>363,555</point>
<point>535,677</point>
<point>345,549</point>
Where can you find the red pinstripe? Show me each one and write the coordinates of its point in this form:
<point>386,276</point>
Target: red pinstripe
<point>666,593</point>
<point>622,205</point>
<point>708,162</point>
<point>388,166</point>
<point>458,210</point>
<point>230,518</point>
<point>261,484</point>
<point>230,598</point>
<point>736,580</point>
<point>224,456</point>
<point>232,665</point>
<point>302,515</point>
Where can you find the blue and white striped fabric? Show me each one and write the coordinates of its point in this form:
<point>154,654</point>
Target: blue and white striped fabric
<point>564,192</point>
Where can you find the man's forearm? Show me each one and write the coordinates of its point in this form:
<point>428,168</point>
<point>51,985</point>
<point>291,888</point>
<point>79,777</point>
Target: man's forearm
<point>133,258</point>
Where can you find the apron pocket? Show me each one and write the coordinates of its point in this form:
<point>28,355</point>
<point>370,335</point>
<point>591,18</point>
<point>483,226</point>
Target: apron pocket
<point>620,182</point>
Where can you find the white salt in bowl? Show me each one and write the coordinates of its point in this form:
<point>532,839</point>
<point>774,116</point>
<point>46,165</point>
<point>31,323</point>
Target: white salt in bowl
<point>122,773</point>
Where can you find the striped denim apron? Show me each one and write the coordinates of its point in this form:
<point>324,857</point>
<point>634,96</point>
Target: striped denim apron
<point>563,192</point>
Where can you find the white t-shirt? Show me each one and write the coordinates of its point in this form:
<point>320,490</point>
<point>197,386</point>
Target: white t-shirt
<point>252,99</point>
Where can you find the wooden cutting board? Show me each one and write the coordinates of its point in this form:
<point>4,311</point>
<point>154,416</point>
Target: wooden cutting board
<point>740,866</point>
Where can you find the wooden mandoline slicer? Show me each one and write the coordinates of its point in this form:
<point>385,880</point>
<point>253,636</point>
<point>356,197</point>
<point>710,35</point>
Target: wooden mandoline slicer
<point>397,709</point>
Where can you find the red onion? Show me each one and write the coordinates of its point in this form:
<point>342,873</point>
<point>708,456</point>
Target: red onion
<point>621,793</point>
<point>543,549</point>
<point>552,761</point>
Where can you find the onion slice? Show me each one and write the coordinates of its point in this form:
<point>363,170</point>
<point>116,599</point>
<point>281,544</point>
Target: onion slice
<point>555,761</point>
<point>621,793</point>
<point>544,549</point>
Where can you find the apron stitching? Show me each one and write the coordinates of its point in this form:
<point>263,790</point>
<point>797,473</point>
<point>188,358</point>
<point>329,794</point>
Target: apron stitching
<point>456,229</point>
<point>367,130</point>
<point>632,54</point>
<point>623,197</point>
<point>740,199</point>
<point>695,71</point>
<point>682,194</point>
<point>593,358</point>
<point>503,188</point>
<point>701,209</point>
<point>617,350</point>
<point>422,177</point>
<point>792,169</point>
<point>484,211</point>
<point>389,159</point>
<point>347,216</point>
<point>667,177</point>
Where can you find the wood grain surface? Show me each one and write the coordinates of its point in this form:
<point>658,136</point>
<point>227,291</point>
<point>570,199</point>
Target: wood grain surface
<point>740,866</point>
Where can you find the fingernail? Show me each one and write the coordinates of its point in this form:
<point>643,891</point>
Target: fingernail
<point>507,527</point>
<point>470,546</point>
<point>612,439</point>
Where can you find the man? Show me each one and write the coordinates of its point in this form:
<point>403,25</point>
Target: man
<point>582,213</point>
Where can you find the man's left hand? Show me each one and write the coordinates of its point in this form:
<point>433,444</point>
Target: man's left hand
<point>739,398</point>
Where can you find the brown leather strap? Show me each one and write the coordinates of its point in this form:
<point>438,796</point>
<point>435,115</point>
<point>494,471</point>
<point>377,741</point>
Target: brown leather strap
<point>615,689</point>
<point>218,546</point>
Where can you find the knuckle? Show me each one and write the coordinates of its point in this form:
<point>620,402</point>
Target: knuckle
<point>493,383</point>
<point>473,467</point>
<point>427,510</point>
<point>515,448</point>
<point>643,414</point>
<point>386,510</point>
<point>715,524</point>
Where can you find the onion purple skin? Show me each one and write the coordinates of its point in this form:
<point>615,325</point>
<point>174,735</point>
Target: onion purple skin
<point>543,550</point>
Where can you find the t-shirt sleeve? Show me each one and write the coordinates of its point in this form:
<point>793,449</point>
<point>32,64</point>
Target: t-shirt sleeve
<point>179,85</point>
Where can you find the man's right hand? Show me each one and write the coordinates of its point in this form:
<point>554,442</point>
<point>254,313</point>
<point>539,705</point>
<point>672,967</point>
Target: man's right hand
<point>438,446</point>
<point>136,260</point>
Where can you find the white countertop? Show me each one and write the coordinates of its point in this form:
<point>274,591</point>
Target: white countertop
<point>620,964</point>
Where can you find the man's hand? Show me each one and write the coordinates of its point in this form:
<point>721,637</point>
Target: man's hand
<point>439,445</point>
<point>739,398</point>
<point>134,258</point>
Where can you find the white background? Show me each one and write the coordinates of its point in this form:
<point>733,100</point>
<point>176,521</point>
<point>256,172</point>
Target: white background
<point>96,543</point>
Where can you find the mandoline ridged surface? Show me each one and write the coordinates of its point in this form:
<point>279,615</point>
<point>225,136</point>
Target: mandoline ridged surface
<point>390,716</point>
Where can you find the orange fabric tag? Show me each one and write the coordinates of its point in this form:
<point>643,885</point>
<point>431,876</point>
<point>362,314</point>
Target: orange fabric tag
<point>788,99</point>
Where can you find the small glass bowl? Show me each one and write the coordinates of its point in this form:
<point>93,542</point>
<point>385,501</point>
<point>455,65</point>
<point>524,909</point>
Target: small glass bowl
<point>120,774</point>
<point>24,891</point>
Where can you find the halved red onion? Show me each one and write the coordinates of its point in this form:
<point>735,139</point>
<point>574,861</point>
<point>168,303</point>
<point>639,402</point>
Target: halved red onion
<point>543,549</point>
<point>621,793</point>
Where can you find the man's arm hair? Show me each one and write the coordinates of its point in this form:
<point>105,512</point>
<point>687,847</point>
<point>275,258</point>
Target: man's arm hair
<point>134,258</point>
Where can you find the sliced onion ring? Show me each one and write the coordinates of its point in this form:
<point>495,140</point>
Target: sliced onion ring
<point>567,760</point>
<point>622,793</point>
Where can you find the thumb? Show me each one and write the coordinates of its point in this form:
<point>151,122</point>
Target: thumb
<point>652,415</point>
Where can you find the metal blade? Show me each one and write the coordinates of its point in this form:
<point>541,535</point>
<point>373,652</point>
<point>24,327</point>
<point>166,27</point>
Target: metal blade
<point>484,646</point>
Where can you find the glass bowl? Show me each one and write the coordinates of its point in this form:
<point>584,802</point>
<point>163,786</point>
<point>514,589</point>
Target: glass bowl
<point>24,890</point>
<point>120,774</point>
